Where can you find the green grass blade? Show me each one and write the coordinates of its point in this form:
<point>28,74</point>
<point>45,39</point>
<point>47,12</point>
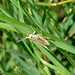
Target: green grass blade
<point>54,67</point>
<point>52,58</point>
<point>22,27</point>
<point>61,43</point>
<point>28,66</point>
<point>31,18</point>
<point>70,59</point>
<point>21,14</point>
<point>5,11</point>
<point>8,27</point>
<point>9,63</point>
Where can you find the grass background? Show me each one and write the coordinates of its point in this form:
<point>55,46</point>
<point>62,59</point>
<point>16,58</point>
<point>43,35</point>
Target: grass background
<point>28,57</point>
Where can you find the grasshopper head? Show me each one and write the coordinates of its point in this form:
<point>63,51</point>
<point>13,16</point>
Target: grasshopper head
<point>30,36</point>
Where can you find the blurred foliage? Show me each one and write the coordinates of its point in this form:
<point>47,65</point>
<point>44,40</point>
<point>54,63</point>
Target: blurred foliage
<point>28,57</point>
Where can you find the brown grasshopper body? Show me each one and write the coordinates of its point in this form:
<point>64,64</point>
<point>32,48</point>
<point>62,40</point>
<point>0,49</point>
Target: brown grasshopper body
<point>38,38</point>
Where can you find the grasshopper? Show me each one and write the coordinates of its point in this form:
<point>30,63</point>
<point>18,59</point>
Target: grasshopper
<point>38,38</point>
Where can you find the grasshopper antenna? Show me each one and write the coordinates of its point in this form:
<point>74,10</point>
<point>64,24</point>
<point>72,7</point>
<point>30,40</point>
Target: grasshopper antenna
<point>33,30</point>
<point>22,39</point>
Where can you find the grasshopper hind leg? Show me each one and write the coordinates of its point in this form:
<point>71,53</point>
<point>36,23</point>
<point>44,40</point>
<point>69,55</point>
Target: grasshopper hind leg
<point>44,46</point>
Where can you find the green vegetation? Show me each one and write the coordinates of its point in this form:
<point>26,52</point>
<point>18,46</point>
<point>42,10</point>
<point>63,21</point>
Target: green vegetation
<point>27,57</point>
